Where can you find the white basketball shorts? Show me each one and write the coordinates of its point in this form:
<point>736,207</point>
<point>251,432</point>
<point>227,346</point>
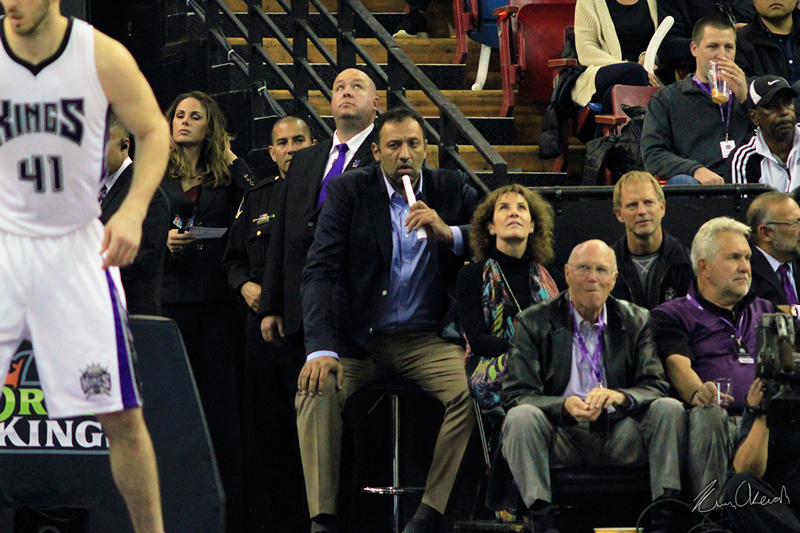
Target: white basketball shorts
<point>55,293</point>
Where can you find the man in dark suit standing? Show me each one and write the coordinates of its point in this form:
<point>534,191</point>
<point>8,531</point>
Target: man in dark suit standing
<point>774,220</point>
<point>354,104</point>
<point>270,378</point>
<point>142,278</point>
<point>375,293</point>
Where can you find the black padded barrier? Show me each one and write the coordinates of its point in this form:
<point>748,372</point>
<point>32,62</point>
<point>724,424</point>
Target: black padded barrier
<point>55,474</point>
<point>583,213</point>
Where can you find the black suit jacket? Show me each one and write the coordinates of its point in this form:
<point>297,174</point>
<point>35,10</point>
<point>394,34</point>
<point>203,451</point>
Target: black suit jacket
<point>766,283</point>
<point>142,278</point>
<point>540,357</point>
<point>293,234</point>
<point>346,278</point>
<point>197,274</point>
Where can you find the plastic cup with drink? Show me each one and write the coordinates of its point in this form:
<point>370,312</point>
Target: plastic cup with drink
<point>718,84</point>
<point>723,391</point>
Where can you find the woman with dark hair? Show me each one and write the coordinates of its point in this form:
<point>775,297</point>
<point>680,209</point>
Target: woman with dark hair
<point>205,183</point>
<point>512,238</point>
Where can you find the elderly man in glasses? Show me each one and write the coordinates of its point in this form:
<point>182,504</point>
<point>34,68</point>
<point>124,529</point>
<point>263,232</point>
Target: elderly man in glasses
<point>707,341</point>
<point>774,220</point>
<point>584,382</point>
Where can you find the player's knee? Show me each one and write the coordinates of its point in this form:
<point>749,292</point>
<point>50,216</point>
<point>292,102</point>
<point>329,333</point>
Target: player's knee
<point>124,426</point>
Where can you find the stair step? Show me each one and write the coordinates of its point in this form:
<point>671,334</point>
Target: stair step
<point>519,159</point>
<point>418,50</point>
<point>490,526</point>
<point>527,115</point>
<point>319,24</point>
<point>471,103</point>
<point>375,6</point>
<point>445,77</point>
<point>496,131</point>
<point>439,14</point>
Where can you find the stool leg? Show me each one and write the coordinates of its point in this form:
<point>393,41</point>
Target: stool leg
<point>396,461</point>
<point>482,433</point>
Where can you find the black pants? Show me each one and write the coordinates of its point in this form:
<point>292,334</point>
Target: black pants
<point>213,335</point>
<point>748,516</point>
<point>628,73</point>
<point>275,494</point>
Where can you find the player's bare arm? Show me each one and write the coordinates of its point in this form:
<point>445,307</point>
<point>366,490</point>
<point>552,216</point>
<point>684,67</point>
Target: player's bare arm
<point>134,104</point>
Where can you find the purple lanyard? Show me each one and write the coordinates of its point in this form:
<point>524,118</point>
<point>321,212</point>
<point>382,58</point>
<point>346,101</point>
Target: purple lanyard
<point>707,90</point>
<point>737,330</point>
<point>594,359</point>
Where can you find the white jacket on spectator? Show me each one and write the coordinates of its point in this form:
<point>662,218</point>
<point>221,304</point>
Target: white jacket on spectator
<point>754,162</point>
<point>597,43</point>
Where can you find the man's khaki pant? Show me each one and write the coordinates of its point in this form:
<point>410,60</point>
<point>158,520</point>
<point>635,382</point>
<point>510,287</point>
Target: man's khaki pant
<point>421,357</point>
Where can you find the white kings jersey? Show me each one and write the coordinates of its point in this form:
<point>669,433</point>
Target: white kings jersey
<point>52,132</point>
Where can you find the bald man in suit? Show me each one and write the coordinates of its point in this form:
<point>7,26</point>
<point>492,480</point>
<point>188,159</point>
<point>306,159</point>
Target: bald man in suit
<point>354,105</point>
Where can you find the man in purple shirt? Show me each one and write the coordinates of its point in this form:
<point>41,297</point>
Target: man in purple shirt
<point>584,384</point>
<point>709,335</point>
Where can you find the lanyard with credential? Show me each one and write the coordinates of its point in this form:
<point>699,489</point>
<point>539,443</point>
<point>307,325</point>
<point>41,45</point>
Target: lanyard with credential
<point>725,120</point>
<point>743,356</point>
<point>594,359</point>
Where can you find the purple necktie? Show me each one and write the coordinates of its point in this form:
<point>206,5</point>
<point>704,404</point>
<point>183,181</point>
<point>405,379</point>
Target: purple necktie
<point>791,296</point>
<point>335,170</point>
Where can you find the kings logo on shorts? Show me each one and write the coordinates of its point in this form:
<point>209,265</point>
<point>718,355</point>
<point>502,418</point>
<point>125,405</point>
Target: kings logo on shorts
<point>95,380</point>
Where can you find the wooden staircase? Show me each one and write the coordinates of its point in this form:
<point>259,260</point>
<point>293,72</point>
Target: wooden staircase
<point>516,139</point>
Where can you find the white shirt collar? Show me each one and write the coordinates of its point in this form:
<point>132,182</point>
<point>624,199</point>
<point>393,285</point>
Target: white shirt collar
<point>576,316</point>
<point>109,181</point>
<point>774,263</point>
<point>352,144</point>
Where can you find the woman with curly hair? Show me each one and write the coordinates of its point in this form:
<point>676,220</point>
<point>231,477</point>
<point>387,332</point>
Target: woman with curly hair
<point>512,238</point>
<point>205,183</point>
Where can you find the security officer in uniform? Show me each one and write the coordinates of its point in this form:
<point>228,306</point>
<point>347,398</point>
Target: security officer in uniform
<point>270,380</point>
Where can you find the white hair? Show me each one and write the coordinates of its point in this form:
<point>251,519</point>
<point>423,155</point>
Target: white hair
<point>705,245</point>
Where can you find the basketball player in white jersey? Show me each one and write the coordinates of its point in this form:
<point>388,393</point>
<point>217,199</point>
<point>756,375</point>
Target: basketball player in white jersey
<point>59,281</point>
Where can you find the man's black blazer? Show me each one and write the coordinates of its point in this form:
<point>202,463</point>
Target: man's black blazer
<point>346,278</point>
<point>142,278</point>
<point>766,283</point>
<point>294,232</point>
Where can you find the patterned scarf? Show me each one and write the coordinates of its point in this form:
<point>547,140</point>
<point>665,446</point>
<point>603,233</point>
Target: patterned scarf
<point>500,311</point>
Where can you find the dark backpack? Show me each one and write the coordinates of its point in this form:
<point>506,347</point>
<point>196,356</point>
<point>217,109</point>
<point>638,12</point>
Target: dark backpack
<point>617,153</point>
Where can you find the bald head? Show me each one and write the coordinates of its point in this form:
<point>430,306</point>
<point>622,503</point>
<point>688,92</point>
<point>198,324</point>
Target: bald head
<point>591,273</point>
<point>354,103</point>
<point>593,248</point>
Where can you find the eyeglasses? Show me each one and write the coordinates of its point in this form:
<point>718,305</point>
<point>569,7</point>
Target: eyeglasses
<point>585,270</point>
<point>795,224</point>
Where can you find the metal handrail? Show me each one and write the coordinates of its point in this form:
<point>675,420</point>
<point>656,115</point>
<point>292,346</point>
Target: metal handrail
<point>452,122</point>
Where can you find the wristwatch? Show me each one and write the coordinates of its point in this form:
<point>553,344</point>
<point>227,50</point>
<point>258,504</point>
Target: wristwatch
<point>755,411</point>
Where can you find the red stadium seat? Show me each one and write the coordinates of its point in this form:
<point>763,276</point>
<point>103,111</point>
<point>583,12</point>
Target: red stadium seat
<point>629,95</point>
<point>530,36</point>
